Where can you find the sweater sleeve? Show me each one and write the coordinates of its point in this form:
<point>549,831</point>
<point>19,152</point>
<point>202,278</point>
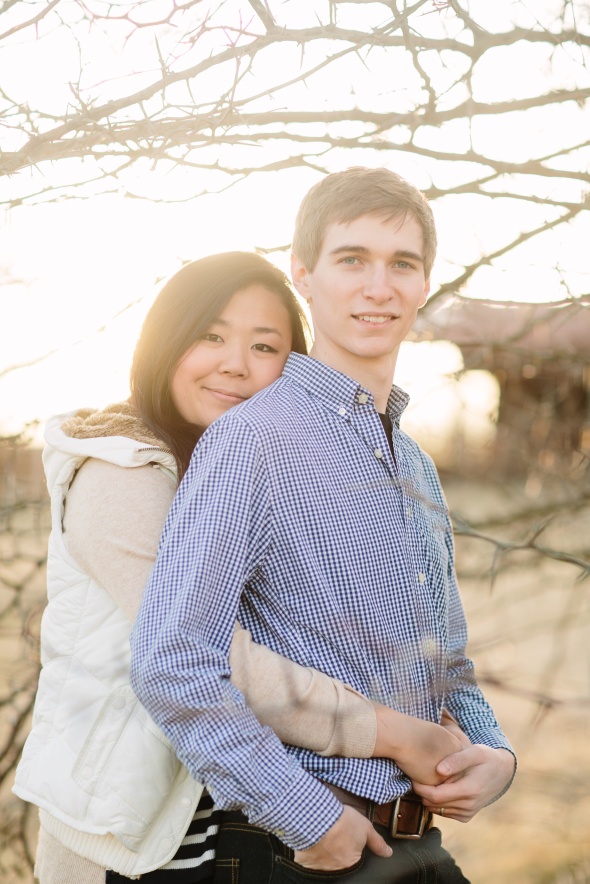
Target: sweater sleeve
<point>303,706</point>
<point>56,864</point>
<point>112,525</point>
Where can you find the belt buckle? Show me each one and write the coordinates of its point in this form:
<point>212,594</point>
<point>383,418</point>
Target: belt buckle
<point>423,822</point>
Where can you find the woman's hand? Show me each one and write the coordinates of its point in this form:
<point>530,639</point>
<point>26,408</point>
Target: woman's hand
<point>473,777</point>
<point>416,746</point>
<point>448,722</point>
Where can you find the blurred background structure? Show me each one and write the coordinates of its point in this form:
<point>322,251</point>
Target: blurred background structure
<point>135,136</point>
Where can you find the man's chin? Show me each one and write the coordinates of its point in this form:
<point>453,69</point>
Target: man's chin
<point>375,350</point>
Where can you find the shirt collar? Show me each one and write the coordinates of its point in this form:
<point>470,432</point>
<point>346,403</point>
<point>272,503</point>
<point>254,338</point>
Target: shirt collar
<point>397,403</point>
<point>336,390</point>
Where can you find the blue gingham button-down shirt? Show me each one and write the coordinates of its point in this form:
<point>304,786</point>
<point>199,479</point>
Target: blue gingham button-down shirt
<point>295,517</point>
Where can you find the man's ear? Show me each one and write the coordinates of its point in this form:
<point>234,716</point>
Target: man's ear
<point>426,292</point>
<point>299,275</point>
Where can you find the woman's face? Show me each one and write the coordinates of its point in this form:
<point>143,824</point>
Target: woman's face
<point>242,351</point>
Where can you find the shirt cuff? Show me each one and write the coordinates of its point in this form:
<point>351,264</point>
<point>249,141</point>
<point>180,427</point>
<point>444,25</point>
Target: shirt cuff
<point>303,815</point>
<point>492,737</point>
<point>496,740</point>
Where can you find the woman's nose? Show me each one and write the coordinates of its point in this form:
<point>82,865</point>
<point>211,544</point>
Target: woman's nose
<point>234,361</point>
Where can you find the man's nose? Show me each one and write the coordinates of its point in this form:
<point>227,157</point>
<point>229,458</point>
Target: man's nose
<point>378,285</point>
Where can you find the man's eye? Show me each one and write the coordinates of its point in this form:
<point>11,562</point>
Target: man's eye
<point>350,259</point>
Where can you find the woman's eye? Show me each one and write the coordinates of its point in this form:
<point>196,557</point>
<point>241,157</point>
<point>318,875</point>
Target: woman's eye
<point>264,348</point>
<point>211,337</point>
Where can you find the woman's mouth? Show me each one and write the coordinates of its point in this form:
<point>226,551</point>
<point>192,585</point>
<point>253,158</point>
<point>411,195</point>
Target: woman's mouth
<point>226,396</point>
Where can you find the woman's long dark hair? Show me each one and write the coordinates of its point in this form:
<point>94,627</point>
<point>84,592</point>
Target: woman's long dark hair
<point>182,312</point>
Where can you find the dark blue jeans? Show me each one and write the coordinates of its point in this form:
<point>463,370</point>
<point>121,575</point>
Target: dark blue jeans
<point>248,855</point>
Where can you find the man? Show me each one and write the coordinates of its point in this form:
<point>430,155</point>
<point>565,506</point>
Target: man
<point>312,498</point>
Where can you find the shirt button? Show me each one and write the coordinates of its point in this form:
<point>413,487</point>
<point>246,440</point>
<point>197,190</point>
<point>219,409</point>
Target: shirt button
<point>409,511</point>
<point>429,647</point>
<point>362,398</point>
<point>422,577</point>
<point>342,411</point>
<point>378,453</point>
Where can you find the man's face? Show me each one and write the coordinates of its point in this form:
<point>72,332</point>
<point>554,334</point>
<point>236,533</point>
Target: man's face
<point>365,291</point>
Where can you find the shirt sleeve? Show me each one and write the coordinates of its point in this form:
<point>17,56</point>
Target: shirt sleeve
<point>216,536</point>
<point>465,699</point>
<point>303,706</point>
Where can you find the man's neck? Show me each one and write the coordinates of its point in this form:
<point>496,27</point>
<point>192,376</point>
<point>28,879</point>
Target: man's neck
<point>376,375</point>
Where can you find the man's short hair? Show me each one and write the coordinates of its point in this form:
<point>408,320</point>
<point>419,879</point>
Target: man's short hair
<point>342,197</point>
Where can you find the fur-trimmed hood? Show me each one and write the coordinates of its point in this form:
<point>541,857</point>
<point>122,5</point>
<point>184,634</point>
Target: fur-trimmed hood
<point>120,419</point>
<point>115,434</point>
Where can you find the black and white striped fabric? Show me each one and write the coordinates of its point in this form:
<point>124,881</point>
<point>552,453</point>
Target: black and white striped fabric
<point>195,859</point>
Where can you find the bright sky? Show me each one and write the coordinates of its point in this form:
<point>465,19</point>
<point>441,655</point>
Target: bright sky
<point>72,266</point>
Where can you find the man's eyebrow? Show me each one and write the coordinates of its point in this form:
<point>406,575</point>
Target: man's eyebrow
<point>363,250</point>
<point>407,253</point>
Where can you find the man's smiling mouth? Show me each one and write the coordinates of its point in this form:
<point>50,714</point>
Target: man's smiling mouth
<point>375,320</point>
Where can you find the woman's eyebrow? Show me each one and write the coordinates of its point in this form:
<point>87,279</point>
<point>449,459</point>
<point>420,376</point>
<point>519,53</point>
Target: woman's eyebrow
<point>266,330</point>
<point>256,329</point>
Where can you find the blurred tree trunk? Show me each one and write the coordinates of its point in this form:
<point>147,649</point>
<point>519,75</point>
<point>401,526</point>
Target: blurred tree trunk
<point>24,526</point>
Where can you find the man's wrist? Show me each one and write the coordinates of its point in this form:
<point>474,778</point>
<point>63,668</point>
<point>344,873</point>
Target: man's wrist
<point>503,791</point>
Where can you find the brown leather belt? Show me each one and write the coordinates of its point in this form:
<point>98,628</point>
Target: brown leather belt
<point>405,817</point>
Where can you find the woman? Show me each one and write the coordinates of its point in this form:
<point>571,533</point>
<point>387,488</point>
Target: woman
<point>114,801</point>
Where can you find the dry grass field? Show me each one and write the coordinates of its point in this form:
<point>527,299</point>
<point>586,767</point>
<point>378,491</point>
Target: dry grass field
<point>529,619</point>
<point>530,638</point>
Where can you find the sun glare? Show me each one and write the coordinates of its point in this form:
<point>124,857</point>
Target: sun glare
<point>82,273</point>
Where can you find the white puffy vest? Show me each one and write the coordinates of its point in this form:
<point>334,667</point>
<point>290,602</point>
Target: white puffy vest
<point>106,779</point>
